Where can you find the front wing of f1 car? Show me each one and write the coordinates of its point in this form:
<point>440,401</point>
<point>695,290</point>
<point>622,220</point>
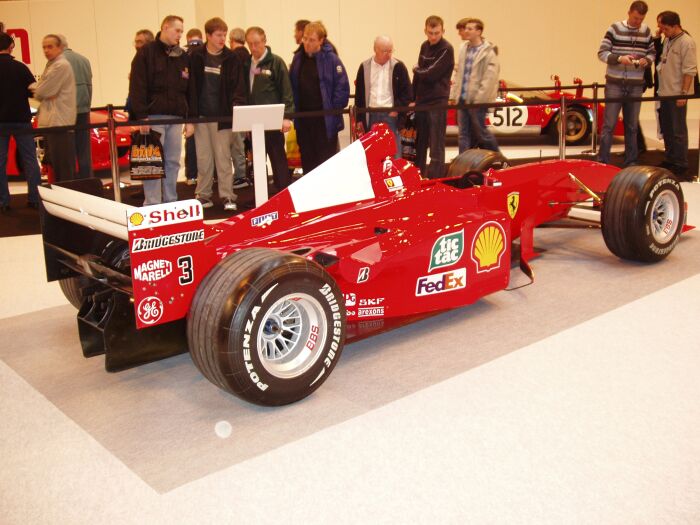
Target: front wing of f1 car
<point>265,300</point>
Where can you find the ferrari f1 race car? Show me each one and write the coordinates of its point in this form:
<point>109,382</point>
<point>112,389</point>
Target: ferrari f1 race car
<point>543,118</point>
<point>263,301</point>
<point>99,143</point>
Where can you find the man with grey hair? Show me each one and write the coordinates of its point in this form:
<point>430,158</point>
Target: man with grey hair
<point>236,38</point>
<point>83,87</point>
<point>56,91</point>
<point>382,82</point>
<point>143,37</point>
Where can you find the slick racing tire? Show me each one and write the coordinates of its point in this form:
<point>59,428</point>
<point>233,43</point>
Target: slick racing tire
<point>643,214</point>
<point>578,127</point>
<point>471,164</point>
<point>115,254</point>
<point>267,326</point>
<point>72,288</point>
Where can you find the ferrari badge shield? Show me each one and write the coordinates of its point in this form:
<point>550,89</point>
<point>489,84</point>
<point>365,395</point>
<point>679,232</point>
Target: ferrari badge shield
<point>513,202</point>
<point>447,250</point>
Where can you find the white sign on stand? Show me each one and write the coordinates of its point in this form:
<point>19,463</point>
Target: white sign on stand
<point>257,119</point>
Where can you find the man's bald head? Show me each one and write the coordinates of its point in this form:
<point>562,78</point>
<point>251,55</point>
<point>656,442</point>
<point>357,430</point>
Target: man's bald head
<point>383,48</point>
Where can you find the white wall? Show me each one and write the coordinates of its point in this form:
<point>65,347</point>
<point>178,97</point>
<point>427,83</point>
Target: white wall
<point>535,38</point>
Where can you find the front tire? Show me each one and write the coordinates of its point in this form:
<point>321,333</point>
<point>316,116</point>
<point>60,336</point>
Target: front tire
<point>643,214</point>
<point>267,326</point>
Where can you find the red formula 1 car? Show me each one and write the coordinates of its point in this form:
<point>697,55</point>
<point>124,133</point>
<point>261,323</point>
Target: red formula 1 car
<point>541,119</point>
<point>99,142</point>
<point>264,301</point>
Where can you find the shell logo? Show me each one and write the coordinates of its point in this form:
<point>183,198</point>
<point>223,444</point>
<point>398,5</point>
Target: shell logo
<point>488,247</point>
<point>136,219</point>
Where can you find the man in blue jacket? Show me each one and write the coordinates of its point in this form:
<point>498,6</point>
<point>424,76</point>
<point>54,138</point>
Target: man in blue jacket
<point>319,81</point>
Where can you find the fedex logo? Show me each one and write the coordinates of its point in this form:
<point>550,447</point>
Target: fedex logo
<point>441,282</point>
<point>165,214</point>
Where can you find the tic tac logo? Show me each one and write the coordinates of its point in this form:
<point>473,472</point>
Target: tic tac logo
<point>513,201</point>
<point>150,310</point>
<point>165,214</point>
<point>264,219</point>
<point>447,250</point>
<point>488,247</point>
<point>154,270</point>
<point>441,282</point>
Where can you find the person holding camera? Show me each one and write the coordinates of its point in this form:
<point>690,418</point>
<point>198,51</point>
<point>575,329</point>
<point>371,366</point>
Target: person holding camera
<point>627,49</point>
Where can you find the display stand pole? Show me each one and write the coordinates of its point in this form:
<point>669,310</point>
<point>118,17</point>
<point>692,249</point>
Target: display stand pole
<point>562,128</point>
<point>113,156</point>
<point>257,119</point>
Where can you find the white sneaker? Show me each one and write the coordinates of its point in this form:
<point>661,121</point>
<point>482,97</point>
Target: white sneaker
<point>239,183</point>
<point>230,206</point>
<point>206,203</point>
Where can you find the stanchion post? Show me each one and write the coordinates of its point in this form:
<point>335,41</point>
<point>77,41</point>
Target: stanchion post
<point>594,131</point>
<point>562,128</point>
<point>113,157</point>
<point>352,121</point>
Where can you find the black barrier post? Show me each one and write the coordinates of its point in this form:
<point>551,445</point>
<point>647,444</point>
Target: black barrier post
<point>594,131</point>
<point>562,128</point>
<point>113,157</point>
<point>352,122</point>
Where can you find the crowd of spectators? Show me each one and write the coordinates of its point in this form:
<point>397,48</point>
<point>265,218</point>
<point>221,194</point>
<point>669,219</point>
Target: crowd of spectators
<point>208,78</point>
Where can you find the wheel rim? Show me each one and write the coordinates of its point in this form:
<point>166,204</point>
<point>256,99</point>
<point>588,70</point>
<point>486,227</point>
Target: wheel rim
<point>292,335</point>
<point>665,215</point>
<point>576,126</point>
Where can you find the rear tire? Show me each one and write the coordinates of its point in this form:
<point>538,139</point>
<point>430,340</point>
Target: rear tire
<point>72,288</point>
<point>643,214</point>
<point>476,160</point>
<point>267,326</point>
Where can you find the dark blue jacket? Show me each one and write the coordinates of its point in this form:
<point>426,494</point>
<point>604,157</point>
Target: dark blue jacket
<point>335,87</point>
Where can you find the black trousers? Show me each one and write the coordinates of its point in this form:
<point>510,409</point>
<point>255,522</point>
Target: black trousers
<point>190,158</point>
<point>83,148</point>
<point>314,145</point>
<point>430,131</point>
<point>274,146</point>
<point>60,152</point>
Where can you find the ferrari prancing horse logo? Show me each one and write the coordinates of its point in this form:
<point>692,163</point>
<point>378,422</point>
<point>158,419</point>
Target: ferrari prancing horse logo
<point>513,202</point>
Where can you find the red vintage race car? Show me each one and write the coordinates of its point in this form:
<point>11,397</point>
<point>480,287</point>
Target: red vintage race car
<point>99,142</point>
<point>265,301</point>
<point>540,119</point>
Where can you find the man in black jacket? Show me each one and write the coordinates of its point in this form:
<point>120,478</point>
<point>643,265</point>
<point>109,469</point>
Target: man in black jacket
<point>381,82</point>
<point>431,86</point>
<point>218,84</point>
<point>15,115</point>
<point>159,89</point>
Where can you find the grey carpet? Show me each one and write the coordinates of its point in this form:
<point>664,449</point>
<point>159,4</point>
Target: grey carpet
<point>159,420</point>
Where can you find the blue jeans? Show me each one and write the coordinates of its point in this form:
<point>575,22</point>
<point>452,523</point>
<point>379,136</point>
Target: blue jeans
<point>165,189</point>
<point>390,121</point>
<point>674,128</point>
<point>472,130</point>
<point>630,116</point>
<point>27,155</point>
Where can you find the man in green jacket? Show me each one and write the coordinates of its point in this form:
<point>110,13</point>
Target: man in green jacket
<point>83,90</point>
<point>268,80</point>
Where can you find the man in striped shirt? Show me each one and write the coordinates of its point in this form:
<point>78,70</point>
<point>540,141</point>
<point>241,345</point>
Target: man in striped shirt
<point>627,48</point>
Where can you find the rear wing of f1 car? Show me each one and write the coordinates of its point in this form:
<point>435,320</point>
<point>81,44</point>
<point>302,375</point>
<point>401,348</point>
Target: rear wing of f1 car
<point>150,255</point>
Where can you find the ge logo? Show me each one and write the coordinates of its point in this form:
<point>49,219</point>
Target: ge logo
<point>150,310</point>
